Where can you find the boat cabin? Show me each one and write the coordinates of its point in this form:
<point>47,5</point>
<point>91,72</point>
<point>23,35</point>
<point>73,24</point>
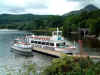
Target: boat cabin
<point>56,44</point>
<point>56,40</point>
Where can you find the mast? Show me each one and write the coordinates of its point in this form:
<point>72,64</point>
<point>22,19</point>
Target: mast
<point>57,32</point>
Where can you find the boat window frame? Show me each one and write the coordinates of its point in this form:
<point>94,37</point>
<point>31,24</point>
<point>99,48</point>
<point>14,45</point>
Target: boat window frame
<point>51,44</point>
<point>35,42</point>
<point>39,42</point>
<point>43,43</point>
<point>32,41</point>
<point>46,43</point>
<point>59,33</point>
<point>55,33</point>
<point>60,43</point>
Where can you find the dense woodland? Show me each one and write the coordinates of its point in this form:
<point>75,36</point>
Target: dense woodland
<point>29,21</point>
<point>90,20</point>
<point>69,23</point>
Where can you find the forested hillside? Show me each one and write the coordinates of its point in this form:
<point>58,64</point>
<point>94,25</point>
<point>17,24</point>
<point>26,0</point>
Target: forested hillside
<point>29,21</point>
<point>90,20</point>
<point>85,19</point>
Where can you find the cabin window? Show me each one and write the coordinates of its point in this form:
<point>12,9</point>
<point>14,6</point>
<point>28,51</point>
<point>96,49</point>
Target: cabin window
<point>55,33</point>
<point>43,43</point>
<point>35,42</point>
<point>59,33</point>
<point>51,44</point>
<point>46,43</point>
<point>32,42</point>
<point>60,44</point>
<point>39,42</point>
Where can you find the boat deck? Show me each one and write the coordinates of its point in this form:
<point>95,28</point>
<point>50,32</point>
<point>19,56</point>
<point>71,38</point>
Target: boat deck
<point>49,52</point>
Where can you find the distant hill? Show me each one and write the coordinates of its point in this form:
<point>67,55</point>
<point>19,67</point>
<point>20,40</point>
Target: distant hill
<point>29,21</point>
<point>11,18</point>
<point>88,8</point>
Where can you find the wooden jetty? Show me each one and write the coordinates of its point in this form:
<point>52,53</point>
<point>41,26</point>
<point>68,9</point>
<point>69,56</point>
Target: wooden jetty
<point>48,52</point>
<point>60,54</point>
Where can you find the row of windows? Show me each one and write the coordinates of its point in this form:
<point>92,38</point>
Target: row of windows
<point>43,43</point>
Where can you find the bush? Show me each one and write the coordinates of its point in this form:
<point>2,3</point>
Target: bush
<point>72,66</point>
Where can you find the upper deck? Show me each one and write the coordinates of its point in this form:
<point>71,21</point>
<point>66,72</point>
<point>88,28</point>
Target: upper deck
<point>56,36</point>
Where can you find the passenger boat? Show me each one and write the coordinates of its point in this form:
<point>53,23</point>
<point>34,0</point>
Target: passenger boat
<point>22,47</point>
<point>54,43</point>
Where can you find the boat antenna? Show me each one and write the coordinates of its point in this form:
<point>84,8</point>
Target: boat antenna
<point>74,43</point>
<point>57,29</point>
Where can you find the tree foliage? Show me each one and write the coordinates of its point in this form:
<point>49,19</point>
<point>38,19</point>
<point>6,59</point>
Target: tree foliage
<point>90,20</point>
<point>72,66</point>
<point>29,21</point>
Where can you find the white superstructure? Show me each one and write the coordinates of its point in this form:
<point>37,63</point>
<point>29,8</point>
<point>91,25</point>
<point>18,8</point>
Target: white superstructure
<point>55,42</point>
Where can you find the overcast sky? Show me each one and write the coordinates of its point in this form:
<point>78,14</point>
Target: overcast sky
<point>43,7</point>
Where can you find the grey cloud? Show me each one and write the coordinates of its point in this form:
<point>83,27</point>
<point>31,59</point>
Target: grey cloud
<point>81,0</point>
<point>83,3</point>
<point>19,9</point>
<point>16,10</point>
<point>12,9</point>
<point>37,6</point>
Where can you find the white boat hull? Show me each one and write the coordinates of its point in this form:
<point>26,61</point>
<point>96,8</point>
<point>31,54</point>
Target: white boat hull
<point>22,51</point>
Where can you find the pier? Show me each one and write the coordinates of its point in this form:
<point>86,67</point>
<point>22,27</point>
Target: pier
<point>60,54</point>
<point>48,52</point>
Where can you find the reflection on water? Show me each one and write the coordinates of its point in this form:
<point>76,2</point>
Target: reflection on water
<point>14,61</point>
<point>89,45</point>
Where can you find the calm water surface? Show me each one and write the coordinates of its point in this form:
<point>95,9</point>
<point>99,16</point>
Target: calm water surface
<point>90,46</point>
<point>13,61</point>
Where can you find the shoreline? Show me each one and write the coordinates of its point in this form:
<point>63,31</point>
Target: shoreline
<point>9,30</point>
